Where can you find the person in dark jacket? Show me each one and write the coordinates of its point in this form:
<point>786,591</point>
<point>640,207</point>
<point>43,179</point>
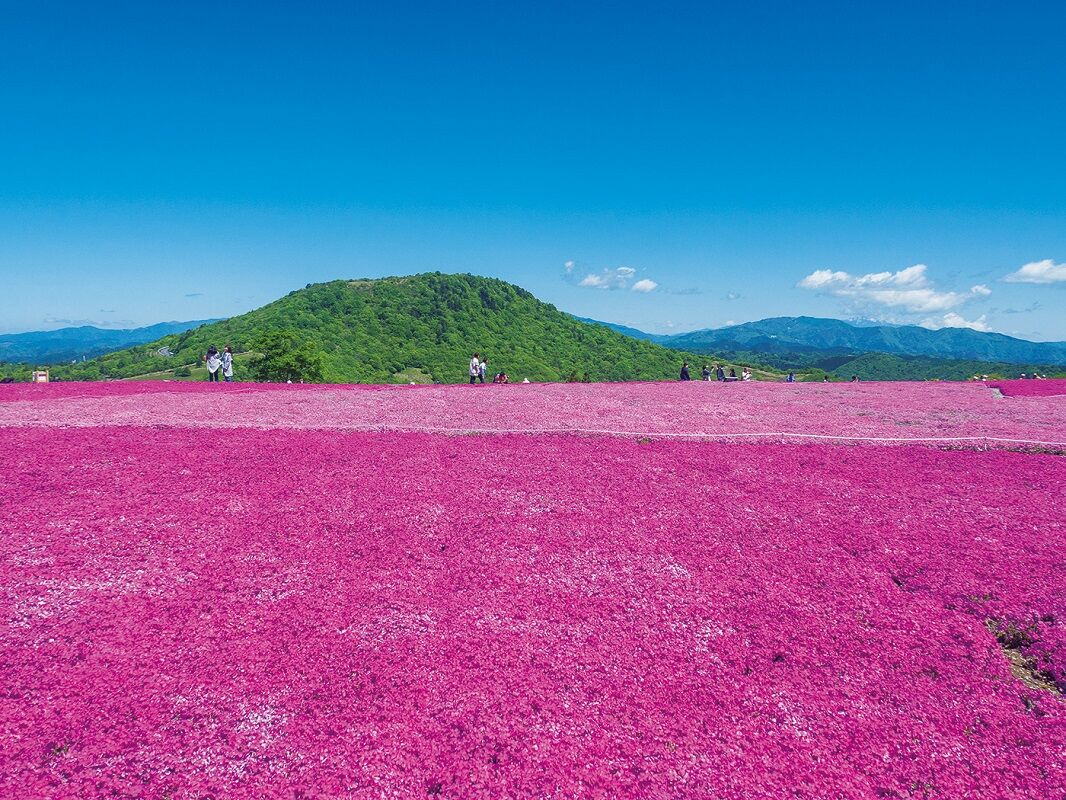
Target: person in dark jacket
<point>684,371</point>
<point>214,364</point>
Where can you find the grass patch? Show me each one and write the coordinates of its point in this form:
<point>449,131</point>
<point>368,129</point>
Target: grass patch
<point>1012,639</point>
<point>412,375</point>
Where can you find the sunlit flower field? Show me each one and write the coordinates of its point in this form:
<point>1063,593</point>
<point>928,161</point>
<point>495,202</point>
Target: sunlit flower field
<point>884,413</point>
<point>550,591</point>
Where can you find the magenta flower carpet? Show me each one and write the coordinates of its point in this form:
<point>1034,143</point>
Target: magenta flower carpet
<point>605,591</point>
<point>966,414</point>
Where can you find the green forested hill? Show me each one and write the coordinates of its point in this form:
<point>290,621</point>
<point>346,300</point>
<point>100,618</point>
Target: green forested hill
<point>813,364</point>
<point>422,327</point>
<point>887,367</point>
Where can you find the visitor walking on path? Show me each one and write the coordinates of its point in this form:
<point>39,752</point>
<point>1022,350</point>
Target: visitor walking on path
<point>214,362</point>
<point>684,371</point>
<point>706,373</point>
<point>719,372</point>
<point>475,368</point>
<point>227,364</point>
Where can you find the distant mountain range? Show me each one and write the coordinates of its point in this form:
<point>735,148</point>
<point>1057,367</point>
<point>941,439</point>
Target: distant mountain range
<point>86,341</point>
<point>423,328</point>
<point>808,339</point>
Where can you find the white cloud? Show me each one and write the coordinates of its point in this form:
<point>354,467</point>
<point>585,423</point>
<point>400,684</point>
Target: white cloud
<point>823,277</point>
<point>1046,271</point>
<point>908,289</point>
<point>617,278</point>
<point>569,266</point>
<point>953,320</point>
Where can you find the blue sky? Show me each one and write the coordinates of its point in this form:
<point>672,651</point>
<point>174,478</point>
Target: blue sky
<point>189,160</point>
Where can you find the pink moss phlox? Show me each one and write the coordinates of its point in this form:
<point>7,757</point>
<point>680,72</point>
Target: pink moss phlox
<point>889,412</point>
<point>211,611</point>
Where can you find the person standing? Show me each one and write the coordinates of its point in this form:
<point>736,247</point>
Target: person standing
<point>475,368</point>
<point>214,362</point>
<point>482,369</point>
<point>684,371</point>
<point>227,364</point>
<point>706,373</point>
<point>719,372</point>
<point>791,378</point>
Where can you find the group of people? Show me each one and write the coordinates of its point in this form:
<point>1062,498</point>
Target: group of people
<point>479,368</point>
<point>219,365</point>
<point>718,372</point>
<point>1031,376</point>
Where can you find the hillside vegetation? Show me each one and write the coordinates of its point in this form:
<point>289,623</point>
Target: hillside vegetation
<point>887,367</point>
<point>422,328</point>
<point>813,364</point>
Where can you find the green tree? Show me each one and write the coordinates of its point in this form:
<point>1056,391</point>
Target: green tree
<point>285,356</point>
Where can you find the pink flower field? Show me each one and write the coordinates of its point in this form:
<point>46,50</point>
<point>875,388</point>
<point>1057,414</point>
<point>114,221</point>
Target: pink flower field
<point>542,591</point>
<point>890,413</point>
<point>1032,388</point>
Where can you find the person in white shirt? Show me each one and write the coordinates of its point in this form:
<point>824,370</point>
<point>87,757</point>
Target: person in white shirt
<point>483,369</point>
<point>746,374</point>
<point>475,368</point>
<point>227,364</point>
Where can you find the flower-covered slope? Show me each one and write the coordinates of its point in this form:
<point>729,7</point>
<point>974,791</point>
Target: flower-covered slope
<point>198,612</point>
<point>891,412</point>
<point>1032,388</point>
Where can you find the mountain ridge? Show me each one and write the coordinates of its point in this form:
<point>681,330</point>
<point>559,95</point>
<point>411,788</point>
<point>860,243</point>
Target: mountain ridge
<point>780,335</point>
<point>83,341</point>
